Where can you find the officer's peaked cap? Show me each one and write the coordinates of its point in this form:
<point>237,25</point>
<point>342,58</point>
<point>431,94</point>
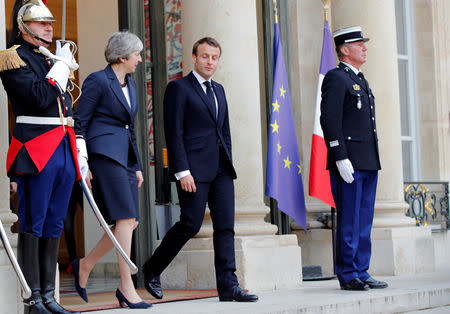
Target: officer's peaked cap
<point>348,35</point>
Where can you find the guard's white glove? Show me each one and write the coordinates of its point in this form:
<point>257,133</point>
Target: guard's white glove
<point>346,171</point>
<point>82,157</point>
<point>63,53</point>
<point>59,73</point>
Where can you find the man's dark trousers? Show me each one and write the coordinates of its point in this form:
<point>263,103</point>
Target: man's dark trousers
<point>219,194</point>
<point>355,210</point>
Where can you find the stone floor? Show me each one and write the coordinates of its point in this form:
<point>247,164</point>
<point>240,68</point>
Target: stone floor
<point>422,293</point>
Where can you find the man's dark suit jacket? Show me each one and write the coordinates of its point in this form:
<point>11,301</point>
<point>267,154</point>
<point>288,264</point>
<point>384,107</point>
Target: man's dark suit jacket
<point>349,128</point>
<point>193,134</point>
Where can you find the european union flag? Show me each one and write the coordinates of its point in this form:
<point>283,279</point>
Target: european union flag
<point>283,173</point>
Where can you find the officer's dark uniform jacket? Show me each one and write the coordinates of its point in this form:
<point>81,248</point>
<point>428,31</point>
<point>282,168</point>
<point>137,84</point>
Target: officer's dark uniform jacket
<point>348,120</point>
<point>31,94</point>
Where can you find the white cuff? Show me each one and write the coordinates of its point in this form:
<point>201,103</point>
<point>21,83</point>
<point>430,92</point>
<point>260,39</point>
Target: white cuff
<point>81,148</point>
<point>60,74</point>
<point>182,174</point>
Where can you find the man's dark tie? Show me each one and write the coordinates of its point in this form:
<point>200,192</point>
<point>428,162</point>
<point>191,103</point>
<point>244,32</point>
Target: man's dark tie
<point>363,83</point>
<point>210,96</point>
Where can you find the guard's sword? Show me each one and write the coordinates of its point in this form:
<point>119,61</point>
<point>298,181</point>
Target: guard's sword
<point>26,291</point>
<point>63,23</point>
<point>105,227</point>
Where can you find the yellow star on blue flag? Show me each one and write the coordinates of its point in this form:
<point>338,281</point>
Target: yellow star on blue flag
<point>275,127</point>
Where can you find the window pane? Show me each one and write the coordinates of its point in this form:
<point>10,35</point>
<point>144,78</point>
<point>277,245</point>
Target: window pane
<point>407,163</point>
<point>404,96</point>
<point>400,24</point>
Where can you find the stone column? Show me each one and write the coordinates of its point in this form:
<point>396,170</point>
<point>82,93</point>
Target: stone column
<point>432,54</point>
<point>10,297</point>
<point>437,122</point>
<point>264,260</point>
<point>398,246</point>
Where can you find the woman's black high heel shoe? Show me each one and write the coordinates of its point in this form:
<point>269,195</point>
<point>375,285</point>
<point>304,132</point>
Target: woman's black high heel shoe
<point>122,301</point>
<point>76,270</point>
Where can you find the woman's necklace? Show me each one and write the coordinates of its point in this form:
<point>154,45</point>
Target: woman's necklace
<point>124,83</point>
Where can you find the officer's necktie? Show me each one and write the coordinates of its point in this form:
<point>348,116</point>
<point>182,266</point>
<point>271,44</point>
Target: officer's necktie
<point>361,76</point>
<point>210,96</point>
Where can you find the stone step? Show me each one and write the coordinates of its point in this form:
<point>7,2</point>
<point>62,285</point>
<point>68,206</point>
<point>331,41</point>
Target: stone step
<point>420,293</point>
<point>437,310</point>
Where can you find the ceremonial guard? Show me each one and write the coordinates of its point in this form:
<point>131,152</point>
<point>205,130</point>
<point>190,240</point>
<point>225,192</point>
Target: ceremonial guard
<point>42,154</point>
<point>348,123</point>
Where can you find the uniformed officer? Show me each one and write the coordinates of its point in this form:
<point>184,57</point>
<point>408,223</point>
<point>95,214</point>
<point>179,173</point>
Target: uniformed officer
<point>348,123</point>
<point>42,153</point>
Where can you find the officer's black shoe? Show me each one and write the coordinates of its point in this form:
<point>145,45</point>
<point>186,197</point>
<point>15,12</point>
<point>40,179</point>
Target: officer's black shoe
<point>375,284</point>
<point>152,283</point>
<point>34,305</point>
<point>28,258</point>
<point>355,284</point>
<point>48,253</point>
<point>238,295</point>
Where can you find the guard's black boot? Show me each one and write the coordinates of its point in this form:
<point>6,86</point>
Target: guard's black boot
<point>28,258</point>
<point>48,252</point>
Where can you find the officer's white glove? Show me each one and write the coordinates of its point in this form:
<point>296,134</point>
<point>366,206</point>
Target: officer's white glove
<point>346,171</point>
<point>82,157</point>
<point>63,53</point>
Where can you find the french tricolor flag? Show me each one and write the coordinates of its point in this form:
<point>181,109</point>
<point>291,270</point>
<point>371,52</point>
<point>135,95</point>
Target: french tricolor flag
<point>319,177</point>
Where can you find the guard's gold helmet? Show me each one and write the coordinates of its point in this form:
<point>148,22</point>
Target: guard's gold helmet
<point>33,11</point>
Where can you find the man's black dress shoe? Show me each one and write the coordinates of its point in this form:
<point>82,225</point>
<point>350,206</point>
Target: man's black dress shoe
<point>238,295</point>
<point>152,283</point>
<point>375,284</point>
<point>355,284</point>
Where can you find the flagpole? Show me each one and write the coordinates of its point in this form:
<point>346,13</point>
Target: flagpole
<point>280,219</point>
<point>63,23</point>
<point>326,9</point>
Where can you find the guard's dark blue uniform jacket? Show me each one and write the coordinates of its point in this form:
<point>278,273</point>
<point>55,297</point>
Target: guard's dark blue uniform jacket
<point>41,156</point>
<point>31,94</point>
<point>348,120</point>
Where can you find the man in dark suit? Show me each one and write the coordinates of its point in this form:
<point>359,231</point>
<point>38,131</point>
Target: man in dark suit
<point>348,123</point>
<point>199,145</point>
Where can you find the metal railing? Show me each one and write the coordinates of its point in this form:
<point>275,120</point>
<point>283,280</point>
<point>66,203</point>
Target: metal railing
<point>428,204</point>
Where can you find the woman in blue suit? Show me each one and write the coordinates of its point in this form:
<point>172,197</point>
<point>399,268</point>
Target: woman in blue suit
<point>105,127</point>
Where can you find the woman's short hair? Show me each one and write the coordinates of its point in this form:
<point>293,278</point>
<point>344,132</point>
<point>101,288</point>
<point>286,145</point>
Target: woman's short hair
<point>121,45</point>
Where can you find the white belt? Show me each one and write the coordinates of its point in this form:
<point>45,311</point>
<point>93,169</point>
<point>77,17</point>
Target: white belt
<point>45,120</point>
